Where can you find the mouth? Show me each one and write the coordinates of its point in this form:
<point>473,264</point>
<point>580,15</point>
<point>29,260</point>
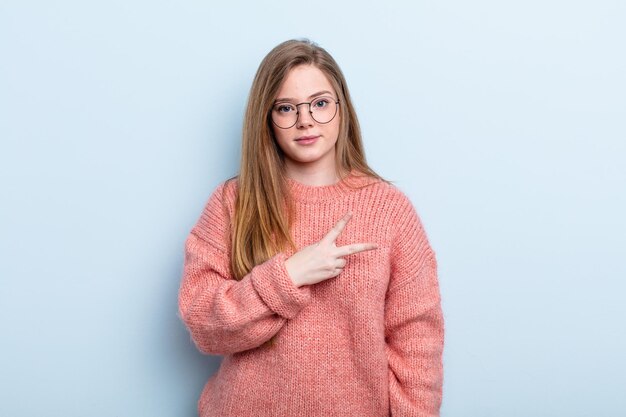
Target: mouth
<point>306,138</point>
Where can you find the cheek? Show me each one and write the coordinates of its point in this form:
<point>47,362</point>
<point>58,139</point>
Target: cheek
<point>276,132</point>
<point>281,136</point>
<point>336,126</point>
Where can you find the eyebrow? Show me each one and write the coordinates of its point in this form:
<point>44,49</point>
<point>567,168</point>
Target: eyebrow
<point>319,93</point>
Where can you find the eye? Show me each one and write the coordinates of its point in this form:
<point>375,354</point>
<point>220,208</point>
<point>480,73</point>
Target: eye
<point>320,103</point>
<point>284,108</point>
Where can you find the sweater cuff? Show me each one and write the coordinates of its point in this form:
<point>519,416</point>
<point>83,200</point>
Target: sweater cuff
<point>274,285</point>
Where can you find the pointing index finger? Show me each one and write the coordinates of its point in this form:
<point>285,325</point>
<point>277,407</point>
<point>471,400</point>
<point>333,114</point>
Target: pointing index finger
<point>355,248</point>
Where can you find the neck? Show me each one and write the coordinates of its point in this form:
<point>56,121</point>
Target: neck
<point>314,176</point>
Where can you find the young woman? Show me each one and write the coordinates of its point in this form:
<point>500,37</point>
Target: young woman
<point>311,274</point>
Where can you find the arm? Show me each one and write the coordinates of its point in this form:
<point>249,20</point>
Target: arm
<point>414,326</point>
<point>223,315</point>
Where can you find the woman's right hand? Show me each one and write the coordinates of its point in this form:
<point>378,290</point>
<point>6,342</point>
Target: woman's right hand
<point>323,260</point>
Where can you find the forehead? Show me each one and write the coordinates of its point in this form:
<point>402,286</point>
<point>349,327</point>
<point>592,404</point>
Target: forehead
<point>302,81</point>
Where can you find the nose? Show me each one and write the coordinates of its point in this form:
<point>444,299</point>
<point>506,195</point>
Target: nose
<point>304,116</point>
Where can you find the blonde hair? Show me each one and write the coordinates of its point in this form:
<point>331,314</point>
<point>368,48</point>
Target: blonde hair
<point>264,208</point>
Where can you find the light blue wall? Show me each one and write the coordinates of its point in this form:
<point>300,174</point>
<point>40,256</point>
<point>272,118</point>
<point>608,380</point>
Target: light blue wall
<point>503,121</point>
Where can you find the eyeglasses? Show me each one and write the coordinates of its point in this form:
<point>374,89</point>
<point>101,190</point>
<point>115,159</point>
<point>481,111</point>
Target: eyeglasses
<point>322,110</point>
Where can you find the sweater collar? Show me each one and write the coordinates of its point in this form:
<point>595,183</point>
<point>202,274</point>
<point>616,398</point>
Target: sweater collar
<point>345,186</point>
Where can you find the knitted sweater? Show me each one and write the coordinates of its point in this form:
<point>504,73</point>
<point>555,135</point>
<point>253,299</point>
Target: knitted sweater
<point>368,342</point>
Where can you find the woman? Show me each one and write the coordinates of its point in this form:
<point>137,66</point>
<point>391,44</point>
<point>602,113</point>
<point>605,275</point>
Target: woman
<point>311,274</point>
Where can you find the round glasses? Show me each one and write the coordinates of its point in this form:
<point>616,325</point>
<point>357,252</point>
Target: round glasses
<point>322,110</point>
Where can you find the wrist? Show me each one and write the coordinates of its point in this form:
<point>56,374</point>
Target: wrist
<point>291,273</point>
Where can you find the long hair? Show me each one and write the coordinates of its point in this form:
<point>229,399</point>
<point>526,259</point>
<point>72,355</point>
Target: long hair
<point>264,208</point>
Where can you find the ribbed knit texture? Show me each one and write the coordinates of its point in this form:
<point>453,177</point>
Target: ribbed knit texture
<point>368,342</point>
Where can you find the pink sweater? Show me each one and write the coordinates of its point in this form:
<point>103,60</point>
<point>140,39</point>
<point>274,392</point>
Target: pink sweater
<point>366,343</point>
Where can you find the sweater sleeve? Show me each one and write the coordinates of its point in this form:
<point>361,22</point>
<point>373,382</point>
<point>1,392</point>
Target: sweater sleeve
<point>414,327</point>
<point>223,315</point>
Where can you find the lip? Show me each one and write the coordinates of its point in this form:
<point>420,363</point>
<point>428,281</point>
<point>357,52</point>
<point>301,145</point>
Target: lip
<point>307,138</point>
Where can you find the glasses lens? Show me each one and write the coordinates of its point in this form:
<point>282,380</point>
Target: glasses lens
<point>323,109</point>
<point>284,115</point>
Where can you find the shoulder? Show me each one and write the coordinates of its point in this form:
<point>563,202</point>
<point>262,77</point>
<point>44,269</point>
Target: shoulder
<point>222,197</point>
<point>410,244</point>
<point>214,222</point>
<point>388,200</point>
<point>226,191</point>
<point>396,195</point>
<point>387,196</point>
<point>402,203</point>
<point>403,218</point>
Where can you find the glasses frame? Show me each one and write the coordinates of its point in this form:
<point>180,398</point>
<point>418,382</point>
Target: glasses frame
<point>297,106</point>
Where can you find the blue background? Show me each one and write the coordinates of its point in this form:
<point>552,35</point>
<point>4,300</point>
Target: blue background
<point>502,121</point>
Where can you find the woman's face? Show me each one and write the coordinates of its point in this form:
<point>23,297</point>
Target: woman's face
<point>308,145</point>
